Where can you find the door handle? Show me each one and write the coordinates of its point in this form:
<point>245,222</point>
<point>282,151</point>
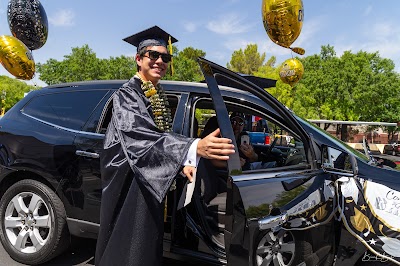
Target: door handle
<point>87,154</point>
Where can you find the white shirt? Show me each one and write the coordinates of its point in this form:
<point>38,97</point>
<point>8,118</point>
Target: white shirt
<point>191,157</point>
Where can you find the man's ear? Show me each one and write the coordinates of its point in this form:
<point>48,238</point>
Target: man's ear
<point>138,59</point>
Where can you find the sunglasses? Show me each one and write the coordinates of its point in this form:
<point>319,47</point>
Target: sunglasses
<point>154,55</point>
<point>234,122</point>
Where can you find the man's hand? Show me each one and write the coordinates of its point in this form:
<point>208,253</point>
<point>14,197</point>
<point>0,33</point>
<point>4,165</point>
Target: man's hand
<point>188,171</point>
<point>249,152</point>
<point>214,147</point>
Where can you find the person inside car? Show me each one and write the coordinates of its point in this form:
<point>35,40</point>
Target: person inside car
<point>141,159</point>
<point>249,159</point>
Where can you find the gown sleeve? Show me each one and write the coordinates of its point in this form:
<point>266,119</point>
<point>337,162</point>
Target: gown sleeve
<point>155,157</point>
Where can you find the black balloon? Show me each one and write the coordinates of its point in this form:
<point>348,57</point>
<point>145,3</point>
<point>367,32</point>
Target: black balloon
<point>28,22</point>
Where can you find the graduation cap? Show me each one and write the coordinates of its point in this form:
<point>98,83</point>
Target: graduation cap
<point>154,36</point>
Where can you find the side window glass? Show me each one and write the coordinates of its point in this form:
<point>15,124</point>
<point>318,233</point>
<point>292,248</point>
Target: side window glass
<point>202,118</point>
<point>107,113</point>
<point>66,109</point>
<point>262,143</point>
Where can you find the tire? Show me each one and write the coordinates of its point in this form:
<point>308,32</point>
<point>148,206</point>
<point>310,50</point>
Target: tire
<point>33,226</point>
<point>394,153</point>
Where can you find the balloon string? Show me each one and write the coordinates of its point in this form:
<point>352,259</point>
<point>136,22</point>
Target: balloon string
<point>34,74</point>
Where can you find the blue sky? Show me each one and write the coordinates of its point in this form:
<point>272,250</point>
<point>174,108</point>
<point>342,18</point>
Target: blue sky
<point>217,27</point>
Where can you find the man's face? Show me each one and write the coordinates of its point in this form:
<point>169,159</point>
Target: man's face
<point>152,69</point>
<point>237,125</point>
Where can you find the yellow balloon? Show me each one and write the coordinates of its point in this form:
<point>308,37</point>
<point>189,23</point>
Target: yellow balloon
<point>16,57</point>
<point>291,71</point>
<point>283,20</point>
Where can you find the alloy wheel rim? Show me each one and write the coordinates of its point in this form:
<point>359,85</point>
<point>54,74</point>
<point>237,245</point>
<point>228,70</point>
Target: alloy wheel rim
<point>27,222</point>
<point>277,249</point>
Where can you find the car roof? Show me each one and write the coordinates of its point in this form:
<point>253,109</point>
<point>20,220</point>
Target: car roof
<point>169,85</point>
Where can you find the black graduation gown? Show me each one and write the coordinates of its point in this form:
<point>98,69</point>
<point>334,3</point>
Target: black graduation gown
<point>138,165</point>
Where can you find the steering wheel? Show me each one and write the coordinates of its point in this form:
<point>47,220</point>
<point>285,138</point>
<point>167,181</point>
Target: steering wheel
<point>272,146</point>
<point>268,155</point>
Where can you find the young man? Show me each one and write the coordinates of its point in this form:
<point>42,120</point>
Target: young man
<point>142,157</point>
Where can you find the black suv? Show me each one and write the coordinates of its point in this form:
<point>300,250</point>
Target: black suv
<point>308,200</point>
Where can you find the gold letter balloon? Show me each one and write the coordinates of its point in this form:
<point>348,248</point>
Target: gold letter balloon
<point>16,57</point>
<point>291,71</point>
<point>283,20</point>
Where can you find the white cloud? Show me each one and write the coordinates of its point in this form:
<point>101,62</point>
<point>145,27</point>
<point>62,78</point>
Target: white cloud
<point>63,17</point>
<point>190,26</point>
<point>228,24</point>
<point>381,37</point>
<point>381,30</point>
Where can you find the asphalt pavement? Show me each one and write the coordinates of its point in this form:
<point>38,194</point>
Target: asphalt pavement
<point>80,253</point>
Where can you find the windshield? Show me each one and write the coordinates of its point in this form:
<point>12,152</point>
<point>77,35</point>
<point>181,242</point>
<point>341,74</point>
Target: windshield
<point>334,140</point>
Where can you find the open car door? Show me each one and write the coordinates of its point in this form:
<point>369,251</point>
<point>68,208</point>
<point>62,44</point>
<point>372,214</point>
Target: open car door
<point>276,216</point>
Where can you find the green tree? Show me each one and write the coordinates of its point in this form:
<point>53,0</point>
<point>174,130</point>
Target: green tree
<point>13,90</point>
<point>122,67</point>
<point>185,65</point>
<point>361,86</point>
<point>247,61</point>
<point>83,64</point>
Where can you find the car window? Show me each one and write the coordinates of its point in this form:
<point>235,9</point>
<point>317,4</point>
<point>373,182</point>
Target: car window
<point>66,109</point>
<point>274,143</point>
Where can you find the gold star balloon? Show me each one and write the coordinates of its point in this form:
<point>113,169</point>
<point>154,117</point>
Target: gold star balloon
<point>291,71</point>
<point>16,57</point>
<point>283,20</point>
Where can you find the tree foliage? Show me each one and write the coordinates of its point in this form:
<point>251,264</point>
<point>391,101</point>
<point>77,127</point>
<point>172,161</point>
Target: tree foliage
<point>356,87</point>
<point>13,90</point>
<point>185,65</point>
<point>82,64</point>
<point>246,61</point>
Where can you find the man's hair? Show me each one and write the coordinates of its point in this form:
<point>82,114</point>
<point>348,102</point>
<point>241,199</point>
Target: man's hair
<point>141,53</point>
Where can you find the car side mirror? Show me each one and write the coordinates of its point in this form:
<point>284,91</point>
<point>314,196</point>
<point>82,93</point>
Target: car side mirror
<point>338,162</point>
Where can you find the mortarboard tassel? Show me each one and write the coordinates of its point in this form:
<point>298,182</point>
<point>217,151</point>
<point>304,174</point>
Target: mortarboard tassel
<point>172,59</point>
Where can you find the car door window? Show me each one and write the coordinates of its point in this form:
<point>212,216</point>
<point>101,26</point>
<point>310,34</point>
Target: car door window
<point>274,144</point>
<point>67,109</point>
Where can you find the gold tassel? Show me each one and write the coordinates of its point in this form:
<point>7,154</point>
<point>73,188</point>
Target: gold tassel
<point>171,65</point>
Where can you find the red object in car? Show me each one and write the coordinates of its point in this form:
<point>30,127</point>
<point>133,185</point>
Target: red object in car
<point>267,140</point>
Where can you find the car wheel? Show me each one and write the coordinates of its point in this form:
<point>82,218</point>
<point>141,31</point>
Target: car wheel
<point>394,153</point>
<point>289,248</point>
<point>33,226</point>
<point>276,249</point>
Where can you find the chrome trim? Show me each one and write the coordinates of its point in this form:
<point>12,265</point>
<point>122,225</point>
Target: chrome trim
<point>271,222</point>
<point>82,222</point>
<point>267,173</point>
<point>63,128</point>
<point>87,154</point>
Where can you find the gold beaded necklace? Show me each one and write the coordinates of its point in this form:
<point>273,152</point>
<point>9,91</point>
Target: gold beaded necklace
<point>159,104</point>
